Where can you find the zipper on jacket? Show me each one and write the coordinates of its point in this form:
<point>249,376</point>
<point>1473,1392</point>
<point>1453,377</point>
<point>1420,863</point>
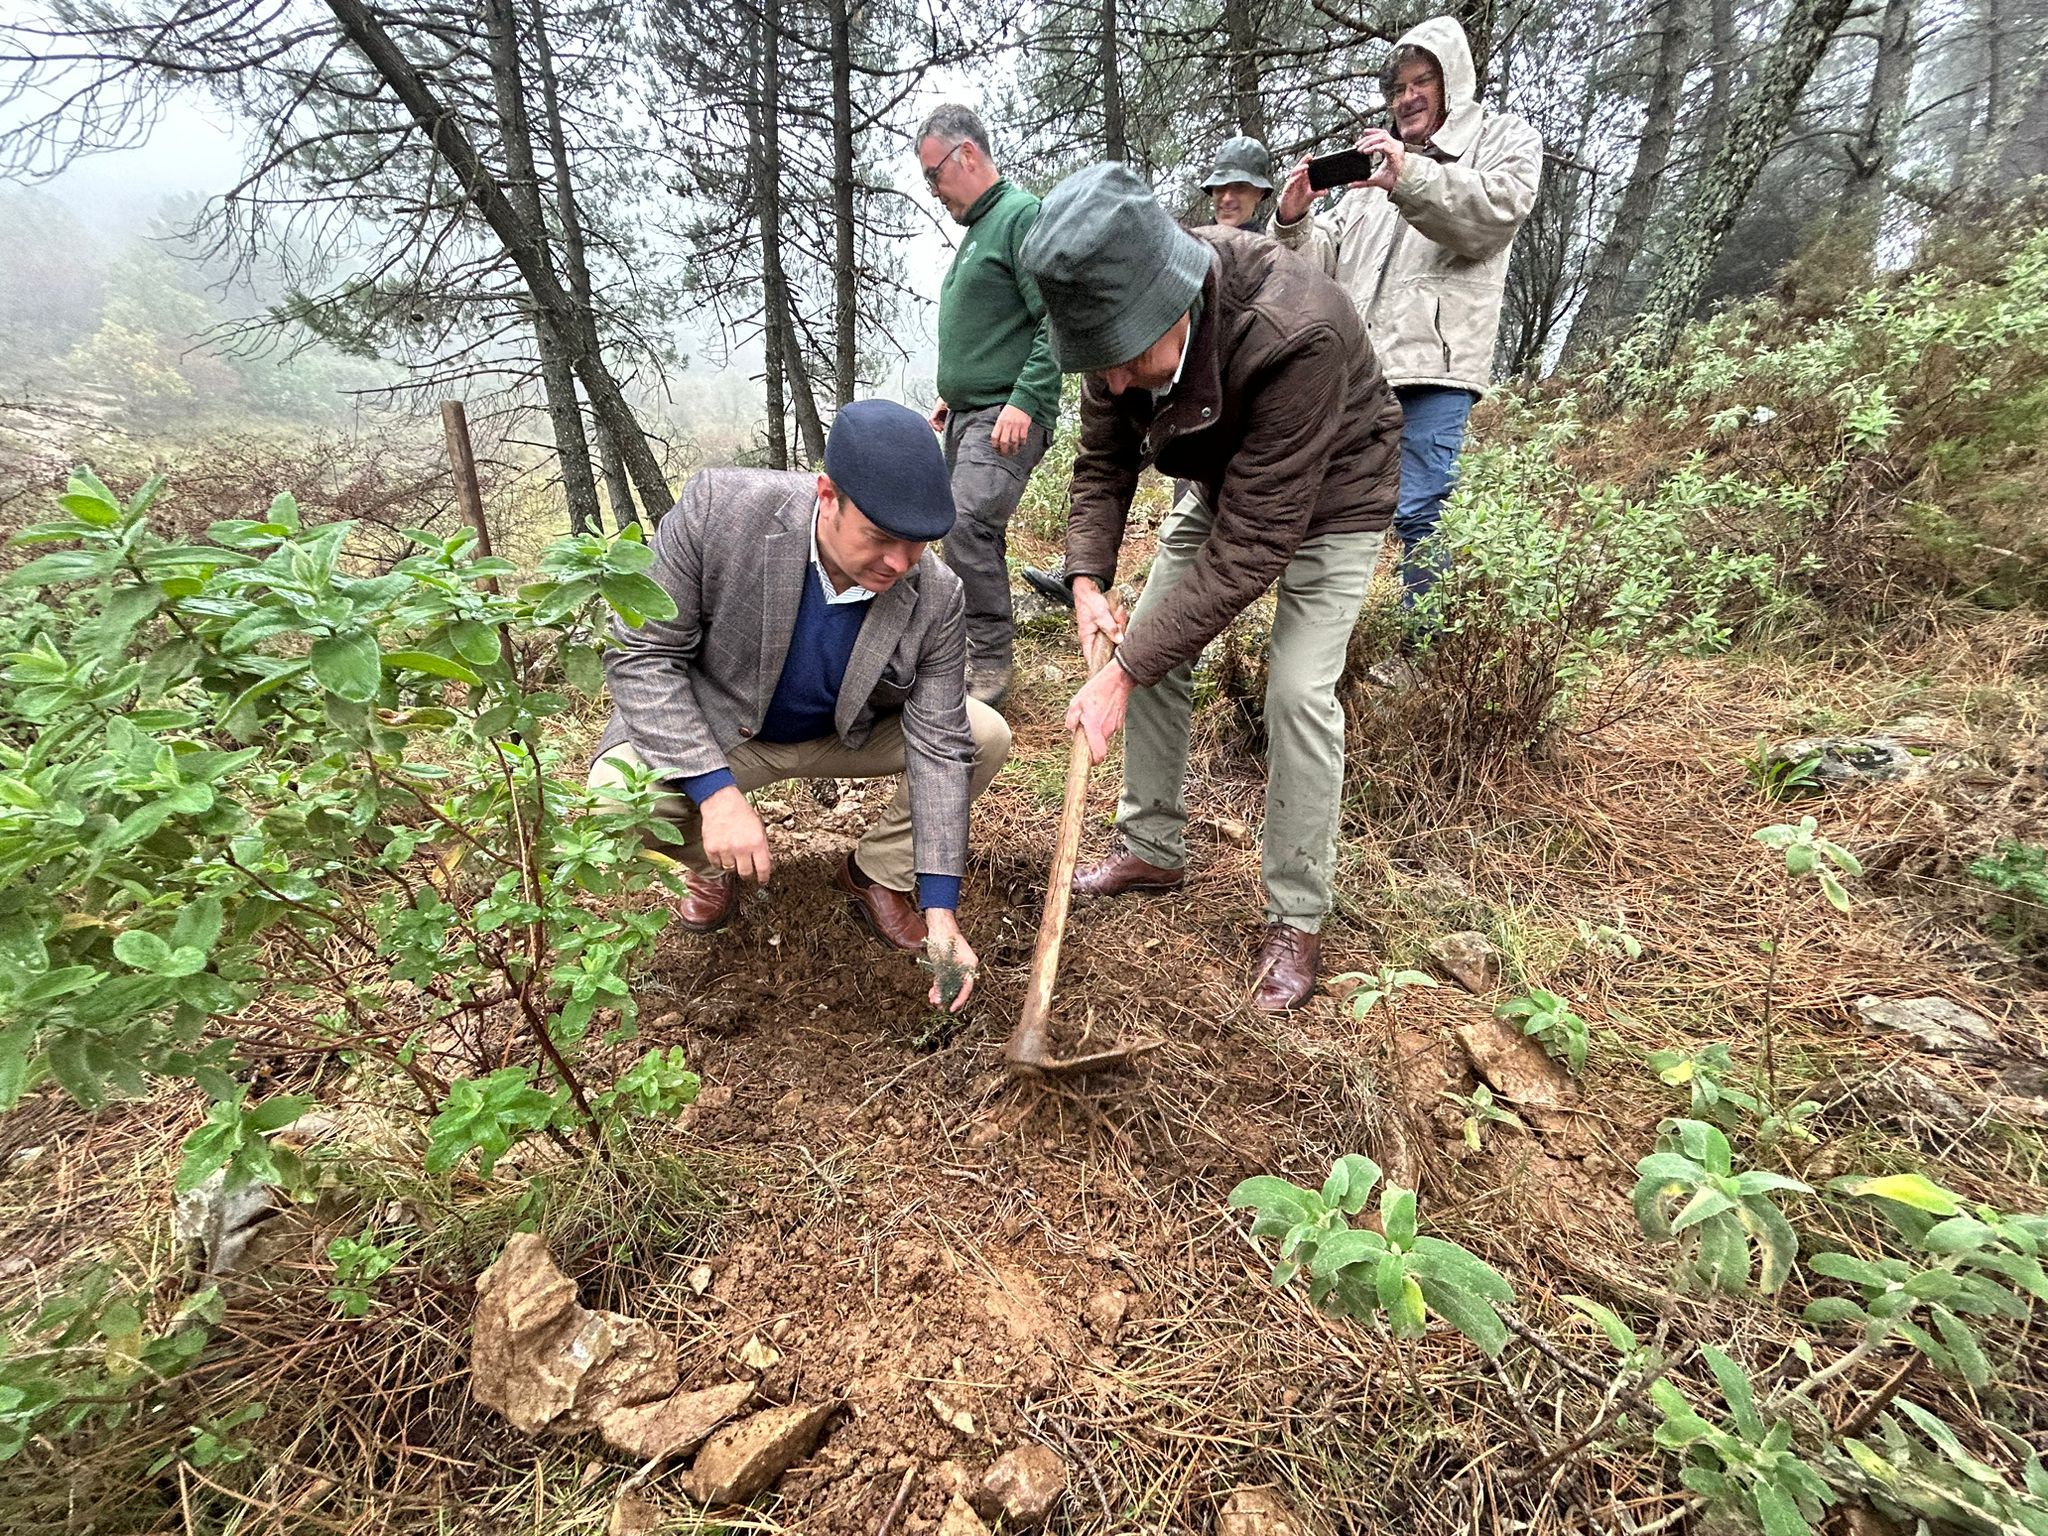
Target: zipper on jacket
<point>1436,323</point>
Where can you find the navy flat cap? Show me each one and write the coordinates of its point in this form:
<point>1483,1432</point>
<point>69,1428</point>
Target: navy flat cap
<point>886,459</point>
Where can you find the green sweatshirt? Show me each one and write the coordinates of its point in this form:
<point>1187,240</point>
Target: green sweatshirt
<point>993,347</point>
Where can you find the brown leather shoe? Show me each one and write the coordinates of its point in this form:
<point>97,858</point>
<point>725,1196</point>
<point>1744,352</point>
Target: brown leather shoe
<point>1285,976</point>
<point>709,905</point>
<point>1125,871</point>
<point>890,915</point>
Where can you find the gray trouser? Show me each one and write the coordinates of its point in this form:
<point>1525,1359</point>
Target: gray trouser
<point>1317,603</point>
<point>986,489</point>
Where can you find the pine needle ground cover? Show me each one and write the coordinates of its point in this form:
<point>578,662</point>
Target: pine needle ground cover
<point>1742,1256</point>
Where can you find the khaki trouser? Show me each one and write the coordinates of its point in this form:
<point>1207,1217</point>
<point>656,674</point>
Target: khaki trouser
<point>1317,603</point>
<point>885,853</point>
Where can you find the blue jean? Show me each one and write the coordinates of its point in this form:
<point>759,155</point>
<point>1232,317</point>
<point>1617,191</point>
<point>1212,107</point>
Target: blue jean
<point>1433,420</point>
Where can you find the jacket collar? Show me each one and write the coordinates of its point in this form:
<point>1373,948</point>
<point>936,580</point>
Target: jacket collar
<point>986,201</point>
<point>1195,400</point>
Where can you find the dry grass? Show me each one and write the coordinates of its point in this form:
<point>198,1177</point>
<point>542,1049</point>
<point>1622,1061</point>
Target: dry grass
<point>877,1191</point>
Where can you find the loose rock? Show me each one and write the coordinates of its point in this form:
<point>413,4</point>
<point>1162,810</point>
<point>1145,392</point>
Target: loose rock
<point>676,1425</point>
<point>1847,762</point>
<point>1259,1512</point>
<point>745,1458</point>
<point>961,1520</point>
<point>1104,1314</point>
<point>1934,1021</point>
<point>535,1348</point>
<point>1513,1064</point>
<point>1469,959</point>
<point>633,1516</point>
<point>1023,1487</point>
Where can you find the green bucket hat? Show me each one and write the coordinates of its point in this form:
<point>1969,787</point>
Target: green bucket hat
<point>1242,159</point>
<point>1114,269</point>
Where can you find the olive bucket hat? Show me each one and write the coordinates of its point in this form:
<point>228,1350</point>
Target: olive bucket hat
<point>1242,159</point>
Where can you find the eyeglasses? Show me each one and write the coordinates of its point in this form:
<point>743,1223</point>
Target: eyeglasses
<point>931,172</point>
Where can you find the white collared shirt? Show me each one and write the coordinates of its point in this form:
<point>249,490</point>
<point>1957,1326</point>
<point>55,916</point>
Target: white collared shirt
<point>853,594</point>
<point>1180,367</point>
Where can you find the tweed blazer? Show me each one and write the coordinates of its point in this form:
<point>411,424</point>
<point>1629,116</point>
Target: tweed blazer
<point>735,554</point>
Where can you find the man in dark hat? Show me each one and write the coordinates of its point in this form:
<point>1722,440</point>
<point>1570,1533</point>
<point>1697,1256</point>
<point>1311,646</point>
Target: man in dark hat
<point>816,637</point>
<point>1230,363</point>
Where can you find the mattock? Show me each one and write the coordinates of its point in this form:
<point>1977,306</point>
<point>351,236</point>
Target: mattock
<point>1028,1053</point>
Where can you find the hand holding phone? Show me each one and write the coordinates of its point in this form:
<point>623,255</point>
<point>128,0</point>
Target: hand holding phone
<point>1340,169</point>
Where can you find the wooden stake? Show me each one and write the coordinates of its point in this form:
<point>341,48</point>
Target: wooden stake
<point>468,494</point>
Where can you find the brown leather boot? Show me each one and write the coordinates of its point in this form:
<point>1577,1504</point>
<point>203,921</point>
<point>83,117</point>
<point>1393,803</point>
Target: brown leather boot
<point>1124,871</point>
<point>1285,976</point>
<point>890,915</point>
<point>709,905</point>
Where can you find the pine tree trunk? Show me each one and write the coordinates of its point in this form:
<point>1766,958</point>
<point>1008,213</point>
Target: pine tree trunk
<point>1873,152</point>
<point>2019,69</point>
<point>618,488</point>
<point>522,186</point>
<point>1639,195</point>
<point>846,314</point>
<point>767,138</point>
<point>1724,186</point>
<point>1241,34</point>
<point>1720,79</point>
<point>1115,143</point>
<point>522,241</point>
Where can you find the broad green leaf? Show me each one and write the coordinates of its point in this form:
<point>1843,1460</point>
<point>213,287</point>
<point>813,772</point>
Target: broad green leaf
<point>1276,1197</point>
<point>1777,1511</point>
<point>1397,1215</point>
<point>1776,1243</point>
<point>1733,1381</point>
<point>1619,1334</point>
<point>428,662</point>
<point>1963,1348</point>
<point>1910,1189</point>
<point>1471,1315</point>
<point>1704,1203</point>
<point>143,950</point>
<point>636,598</point>
<point>1456,1266</point>
<point>350,665</point>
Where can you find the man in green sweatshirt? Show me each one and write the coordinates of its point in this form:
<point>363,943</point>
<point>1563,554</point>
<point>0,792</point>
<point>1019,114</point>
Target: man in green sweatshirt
<point>999,389</point>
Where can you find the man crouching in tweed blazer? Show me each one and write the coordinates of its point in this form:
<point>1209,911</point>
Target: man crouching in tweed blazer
<point>816,637</point>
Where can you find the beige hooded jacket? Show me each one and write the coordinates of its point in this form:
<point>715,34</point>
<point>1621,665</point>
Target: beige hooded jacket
<point>1426,262</point>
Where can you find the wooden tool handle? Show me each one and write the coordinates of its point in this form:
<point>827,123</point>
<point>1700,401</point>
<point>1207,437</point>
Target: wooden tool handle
<point>1029,1042</point>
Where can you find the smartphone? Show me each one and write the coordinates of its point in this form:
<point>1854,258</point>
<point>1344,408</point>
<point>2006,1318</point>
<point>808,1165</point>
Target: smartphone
<point>1340,169</point>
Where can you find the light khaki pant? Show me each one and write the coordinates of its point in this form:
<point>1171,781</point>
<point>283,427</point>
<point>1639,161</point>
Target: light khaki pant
<point>1316,605</point>
<point>885,853</point>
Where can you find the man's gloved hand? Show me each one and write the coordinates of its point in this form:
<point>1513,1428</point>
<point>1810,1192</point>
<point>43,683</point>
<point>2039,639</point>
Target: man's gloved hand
<point>734,839</point>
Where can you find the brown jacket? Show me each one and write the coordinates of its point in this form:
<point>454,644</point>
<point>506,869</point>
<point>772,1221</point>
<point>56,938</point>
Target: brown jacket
<point>1282,421</point>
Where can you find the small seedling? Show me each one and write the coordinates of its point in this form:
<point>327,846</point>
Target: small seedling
<point>1548,1017</point>
<point>1356,1272</point>
<point>1808,853</point>
<point>1385,987</point>
<point>1480,1111</point>
<point>1782,778</point>
<point>1688,1191</point>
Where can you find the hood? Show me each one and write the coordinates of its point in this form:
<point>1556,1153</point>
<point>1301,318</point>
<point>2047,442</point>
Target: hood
<point>1443,39</point>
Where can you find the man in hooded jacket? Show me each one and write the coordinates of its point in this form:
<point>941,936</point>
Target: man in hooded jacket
<point>1422,249</point>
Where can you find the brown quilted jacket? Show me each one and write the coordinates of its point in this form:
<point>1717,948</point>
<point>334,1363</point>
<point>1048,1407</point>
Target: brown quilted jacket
<point>1281,419</point>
